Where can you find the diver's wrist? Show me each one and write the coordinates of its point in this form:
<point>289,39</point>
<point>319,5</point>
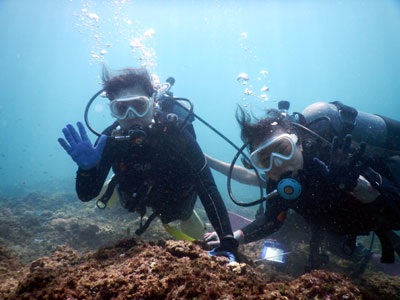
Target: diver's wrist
<point>85,172</point>
<point>239,236</point>
<point>364,191</point>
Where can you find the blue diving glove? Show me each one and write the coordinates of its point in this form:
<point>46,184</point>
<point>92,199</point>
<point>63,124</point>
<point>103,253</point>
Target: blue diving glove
<point>80,148</point>
<point>227,248</point>
<point>344,166</point>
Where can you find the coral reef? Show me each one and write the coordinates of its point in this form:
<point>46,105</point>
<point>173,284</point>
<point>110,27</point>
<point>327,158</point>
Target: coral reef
<point>10,272</point>
<point>35,225</point>
<point>133,269</point>
<point>52,246</point>
<point>383,286</point>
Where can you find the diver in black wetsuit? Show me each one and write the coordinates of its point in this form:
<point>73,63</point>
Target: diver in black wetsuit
<point>339,190</point>
<point>157,162</point>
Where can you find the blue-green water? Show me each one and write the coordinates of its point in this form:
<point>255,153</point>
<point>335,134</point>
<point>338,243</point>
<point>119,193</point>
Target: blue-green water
<point>312,51</point>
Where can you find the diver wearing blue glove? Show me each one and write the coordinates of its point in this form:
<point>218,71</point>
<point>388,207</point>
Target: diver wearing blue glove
<point>155,158</point>
<point>80,148</point>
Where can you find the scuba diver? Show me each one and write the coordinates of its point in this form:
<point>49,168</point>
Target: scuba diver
<point>154,155</point>
<point>343,189</point>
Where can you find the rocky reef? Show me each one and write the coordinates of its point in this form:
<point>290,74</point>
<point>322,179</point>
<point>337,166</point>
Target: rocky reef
<point>55,247</point>
<point>133,269</point>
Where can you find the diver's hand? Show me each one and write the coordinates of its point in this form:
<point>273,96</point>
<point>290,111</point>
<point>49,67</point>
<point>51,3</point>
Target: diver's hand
<point>344,166</point>
<point>212,239</point>
<point>218,252</point>
<point>228,248</point>
<point>79,147</point>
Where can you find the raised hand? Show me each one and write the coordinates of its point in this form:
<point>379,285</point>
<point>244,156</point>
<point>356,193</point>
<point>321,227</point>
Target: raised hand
<point>80,148</point>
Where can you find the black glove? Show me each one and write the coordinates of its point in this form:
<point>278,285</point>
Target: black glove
<point>344,166</point>
<point>229,244</point>
<point>228,248</point>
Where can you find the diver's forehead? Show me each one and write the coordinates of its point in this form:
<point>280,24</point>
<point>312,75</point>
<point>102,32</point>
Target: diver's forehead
<point>131,91</point>
<point>270,134</point>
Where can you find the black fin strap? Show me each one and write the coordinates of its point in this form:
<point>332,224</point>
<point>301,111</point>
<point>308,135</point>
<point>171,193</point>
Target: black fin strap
<point>107,195</point>
<point>144,227</point>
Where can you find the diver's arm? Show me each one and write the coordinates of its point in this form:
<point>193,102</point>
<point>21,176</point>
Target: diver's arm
<point>382,184</point>
<point>186,146</point>
<point>239,174</point>
<point>364,191</point>
<point>259,229</point>
<point>213,203</point>
<point>388,191</point>
<point>267,224</point>
<point>89,182</point>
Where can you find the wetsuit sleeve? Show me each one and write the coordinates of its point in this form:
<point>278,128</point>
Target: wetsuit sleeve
<point>89,182</point>
<point>213,203</point>
<point>205,184</point>
<point>390,188</point>
<point>268,223</point>
<point>390,192</point>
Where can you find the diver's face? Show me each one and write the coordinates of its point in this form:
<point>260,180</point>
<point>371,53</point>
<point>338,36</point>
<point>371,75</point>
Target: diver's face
<point>277,155</point>
<point>130,119</point>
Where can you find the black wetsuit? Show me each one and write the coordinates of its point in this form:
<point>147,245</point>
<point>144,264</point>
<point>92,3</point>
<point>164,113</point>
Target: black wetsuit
<point>327,207</point>
<point>166,173</point>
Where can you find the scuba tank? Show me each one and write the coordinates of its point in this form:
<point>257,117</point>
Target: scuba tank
<point>381,134</point>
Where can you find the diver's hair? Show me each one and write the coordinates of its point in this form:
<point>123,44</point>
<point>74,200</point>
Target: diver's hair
<point>255,130</point>
<point>126,78</point>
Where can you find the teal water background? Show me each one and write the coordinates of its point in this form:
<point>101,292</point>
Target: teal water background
<point>303,51</point>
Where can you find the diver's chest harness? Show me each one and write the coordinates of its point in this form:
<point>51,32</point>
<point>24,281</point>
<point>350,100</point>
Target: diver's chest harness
<point>139,141</point>
<point>172,116</point>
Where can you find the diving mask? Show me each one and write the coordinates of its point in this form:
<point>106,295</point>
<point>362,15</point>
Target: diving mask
<point>273,152</point>
<point>132,106</point>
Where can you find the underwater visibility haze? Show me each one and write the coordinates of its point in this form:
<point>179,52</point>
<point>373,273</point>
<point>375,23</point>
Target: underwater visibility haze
<point>301,51</point>
<point>222,54</point>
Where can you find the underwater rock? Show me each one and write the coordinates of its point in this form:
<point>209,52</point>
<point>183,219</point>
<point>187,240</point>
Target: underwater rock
<point>238,268</point>
<point>321,284</point>
<point>133,269</point>
<point>181,249</point>
<point>385,287</point>
<point>5,211</point>
<point>11,271</point>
